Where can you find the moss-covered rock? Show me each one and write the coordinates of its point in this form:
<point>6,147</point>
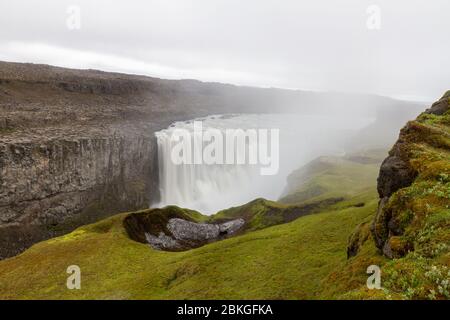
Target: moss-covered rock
<point>412,223</point>
<point>413,181</point>
<point>358,238</point>
<point>261,213</point>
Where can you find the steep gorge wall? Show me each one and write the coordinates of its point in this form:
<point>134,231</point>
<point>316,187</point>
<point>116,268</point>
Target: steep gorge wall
<point>51,187</point>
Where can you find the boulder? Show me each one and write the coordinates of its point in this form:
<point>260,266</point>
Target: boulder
<point>395,173</point>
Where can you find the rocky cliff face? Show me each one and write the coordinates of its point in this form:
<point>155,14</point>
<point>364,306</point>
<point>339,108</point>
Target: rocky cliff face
<point>414,181</point>
<point>51,186</point>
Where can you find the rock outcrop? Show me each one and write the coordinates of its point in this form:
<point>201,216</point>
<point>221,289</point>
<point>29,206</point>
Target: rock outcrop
<point>176,229</point>
<point>417,151</point>
<point>395,173</point>
<point>184,234</point>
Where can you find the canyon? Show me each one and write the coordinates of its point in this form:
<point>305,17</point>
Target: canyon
<point>333,221</point>
<point>78,145</point>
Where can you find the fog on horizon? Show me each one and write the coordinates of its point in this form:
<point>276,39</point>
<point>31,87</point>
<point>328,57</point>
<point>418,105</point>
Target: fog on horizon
<point>378,47</point>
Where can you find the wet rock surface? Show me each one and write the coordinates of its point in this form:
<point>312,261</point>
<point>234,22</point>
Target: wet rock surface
<point>183,235</point>
<point>186,230</point>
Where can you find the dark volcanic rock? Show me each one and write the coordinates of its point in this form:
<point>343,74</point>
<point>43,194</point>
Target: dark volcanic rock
<point>185,235</point>
<point>176,229</point>
<point>395,173</point>
<point>191,231</point>
<point>441,106</point>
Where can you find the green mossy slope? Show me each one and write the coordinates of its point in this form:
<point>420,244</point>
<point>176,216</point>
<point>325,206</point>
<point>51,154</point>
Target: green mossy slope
<point>287,261</point>
<point>284,261</point>
<point>333,177</point>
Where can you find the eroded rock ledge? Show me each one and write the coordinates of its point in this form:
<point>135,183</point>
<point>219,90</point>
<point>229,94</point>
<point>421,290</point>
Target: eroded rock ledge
<point>397,172</point>
<point>175,229</point>
<point>186,234</point>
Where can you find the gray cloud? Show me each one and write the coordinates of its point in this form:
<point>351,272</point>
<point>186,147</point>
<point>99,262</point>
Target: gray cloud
<point>317,45</point>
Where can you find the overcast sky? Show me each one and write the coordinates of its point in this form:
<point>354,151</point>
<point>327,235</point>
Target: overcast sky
<point>316,45</point>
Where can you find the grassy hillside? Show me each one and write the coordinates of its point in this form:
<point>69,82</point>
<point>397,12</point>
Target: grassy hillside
<point>333,177</point>
<point>413,222</point>
<point>288,261</point>
<point>285,261</point>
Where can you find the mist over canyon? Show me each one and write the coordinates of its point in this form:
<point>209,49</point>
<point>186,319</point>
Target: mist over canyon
<point>210,187</point>
<point>79,145</point>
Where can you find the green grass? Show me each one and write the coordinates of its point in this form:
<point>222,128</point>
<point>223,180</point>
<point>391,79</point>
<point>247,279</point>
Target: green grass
<point>259,213</point>
<point>271,260</point>
<point>330,177</point>
<point>287,261</point>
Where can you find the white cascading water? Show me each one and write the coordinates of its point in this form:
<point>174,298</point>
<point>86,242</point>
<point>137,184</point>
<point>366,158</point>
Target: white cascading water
<point>209,188</point>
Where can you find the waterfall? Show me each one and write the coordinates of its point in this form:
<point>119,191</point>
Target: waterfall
<point>204,187</point>
<point>209,188</point>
